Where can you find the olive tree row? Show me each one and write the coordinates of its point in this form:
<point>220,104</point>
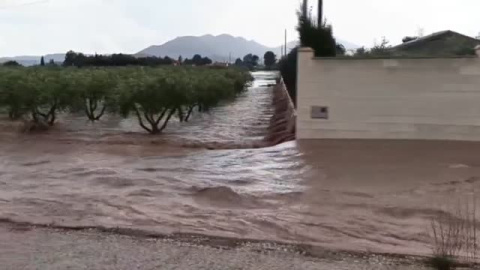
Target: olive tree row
<point>152,95</point>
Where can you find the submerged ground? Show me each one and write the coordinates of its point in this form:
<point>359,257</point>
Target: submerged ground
<point>367,196</point>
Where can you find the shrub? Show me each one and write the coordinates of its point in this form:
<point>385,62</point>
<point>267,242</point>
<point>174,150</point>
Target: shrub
<point>454,236</point>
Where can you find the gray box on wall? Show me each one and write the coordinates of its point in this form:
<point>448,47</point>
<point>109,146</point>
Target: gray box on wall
<point>319,112</point>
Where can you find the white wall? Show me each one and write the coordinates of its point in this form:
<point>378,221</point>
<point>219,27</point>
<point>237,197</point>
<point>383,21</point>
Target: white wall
<point>389,98</point>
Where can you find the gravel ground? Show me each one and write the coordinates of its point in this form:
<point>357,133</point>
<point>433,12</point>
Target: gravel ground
<point>40,248</point>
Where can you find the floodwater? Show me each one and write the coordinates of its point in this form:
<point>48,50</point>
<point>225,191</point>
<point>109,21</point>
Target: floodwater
<point>356,195</point>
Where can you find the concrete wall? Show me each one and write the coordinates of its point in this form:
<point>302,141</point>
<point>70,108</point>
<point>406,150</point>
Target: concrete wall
<point>436,99</point>
<point>282,123</point>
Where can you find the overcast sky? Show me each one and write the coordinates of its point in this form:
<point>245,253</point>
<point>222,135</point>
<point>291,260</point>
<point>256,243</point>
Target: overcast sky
<point>30,27</point>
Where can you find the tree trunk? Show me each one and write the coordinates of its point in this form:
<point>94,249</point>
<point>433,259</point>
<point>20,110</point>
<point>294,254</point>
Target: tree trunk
<point>154,123</point>
<point>181,115</point>
<point>172,111</point>
<point>305,8</point>
<point>189,113</point>
<point>102,112</point>
<point>320,13</point>
<point>91,106</point>
<point>13,114</point>
<point>51,115</point>
<point>35,116</point>
<point>140,121</point>
<point>52,118</point>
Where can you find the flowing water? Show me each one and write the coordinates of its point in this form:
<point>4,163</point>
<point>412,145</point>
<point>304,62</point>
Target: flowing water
<point>356,195</point>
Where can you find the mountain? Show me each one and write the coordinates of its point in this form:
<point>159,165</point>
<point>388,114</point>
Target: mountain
<point>218,48</point>
<point>34,60</point>
<point>348,45</point>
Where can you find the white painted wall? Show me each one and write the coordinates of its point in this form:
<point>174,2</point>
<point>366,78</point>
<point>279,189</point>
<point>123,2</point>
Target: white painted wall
<point>436,99</point>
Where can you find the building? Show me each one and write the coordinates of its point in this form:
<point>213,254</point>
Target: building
<point>419,98</point>
<point>444,43</point>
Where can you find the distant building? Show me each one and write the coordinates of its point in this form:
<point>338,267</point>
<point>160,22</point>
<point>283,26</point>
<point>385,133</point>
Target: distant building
<point>221,64</point>
<point>444,43</point>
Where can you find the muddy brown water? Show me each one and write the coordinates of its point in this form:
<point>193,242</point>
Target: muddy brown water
<point>356,195</point>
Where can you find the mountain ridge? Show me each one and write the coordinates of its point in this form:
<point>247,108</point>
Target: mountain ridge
<point>222,48</point>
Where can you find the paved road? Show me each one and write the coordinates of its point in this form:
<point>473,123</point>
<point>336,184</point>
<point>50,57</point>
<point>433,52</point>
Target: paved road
<point>36,248</point>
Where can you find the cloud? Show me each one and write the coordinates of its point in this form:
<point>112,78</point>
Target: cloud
<point>107,26</point>
<point>82,25</point>
<point>9,4</point>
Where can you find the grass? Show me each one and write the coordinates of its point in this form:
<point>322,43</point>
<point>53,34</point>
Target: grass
<point>454,235</point>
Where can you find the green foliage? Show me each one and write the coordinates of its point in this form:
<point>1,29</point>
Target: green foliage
<point>270,59</point>
<point>238,62</point>
<point>53,92</point>
<point>382,49</point>
<point>250,61</point>
<point>95,92</point>
<point>16,92</point>
<point>198,60</point>
<point>316,35</point>
<point>288,69</point>
<point>340,49</point>
<point>81,60</point>
<point>42,61</point>
<point>11,64</point>
<point>39,93</point>
<point>319,37</point>
<point>153,95</point>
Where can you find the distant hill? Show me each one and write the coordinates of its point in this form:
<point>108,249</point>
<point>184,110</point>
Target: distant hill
<point>34,60</point>
<point>218,48</point>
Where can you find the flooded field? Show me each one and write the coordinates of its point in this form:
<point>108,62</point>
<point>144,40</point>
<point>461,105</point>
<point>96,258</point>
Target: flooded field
<point>356,195</point>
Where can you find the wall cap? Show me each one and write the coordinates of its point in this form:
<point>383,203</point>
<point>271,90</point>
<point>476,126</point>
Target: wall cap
<point>305,49</point>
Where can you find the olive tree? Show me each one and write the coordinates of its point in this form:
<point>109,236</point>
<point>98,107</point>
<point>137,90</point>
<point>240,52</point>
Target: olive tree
<point>95,92</point>
<point>53,93</point>
<point>152,97</point>
<point>17,92</point>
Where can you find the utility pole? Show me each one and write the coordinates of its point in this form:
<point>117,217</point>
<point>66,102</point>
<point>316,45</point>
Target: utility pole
<point>320,13</point>
<point>305,8</point>
<point>285,42</point>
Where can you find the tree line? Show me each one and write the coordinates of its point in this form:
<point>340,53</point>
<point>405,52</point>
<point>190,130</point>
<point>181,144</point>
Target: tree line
<point>251,61</point>
<point>74,59</point>
<point>152,95</point>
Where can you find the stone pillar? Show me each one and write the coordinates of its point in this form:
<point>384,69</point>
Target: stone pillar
<point>477,50</point>
<point>305,74</point>
<point>304,63</point>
